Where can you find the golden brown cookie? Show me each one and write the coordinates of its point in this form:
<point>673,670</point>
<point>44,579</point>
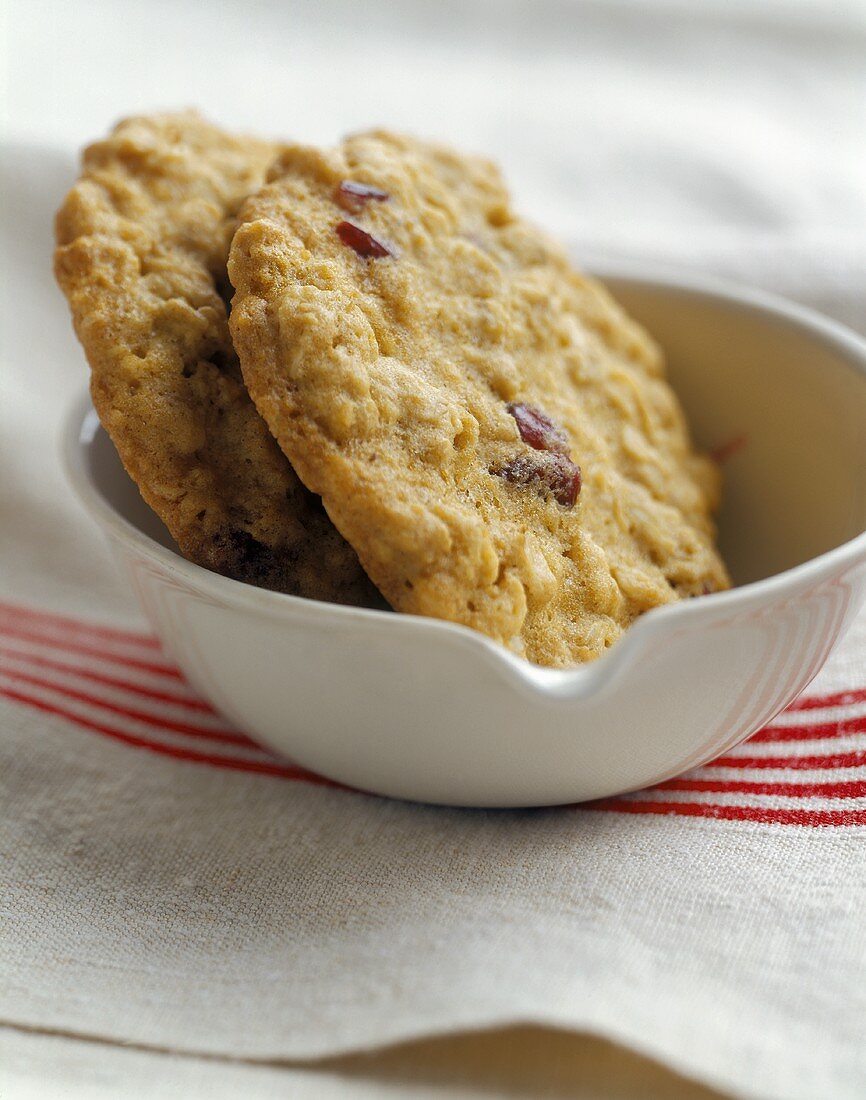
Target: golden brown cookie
<point>142,244</point>
<point>436,370</point>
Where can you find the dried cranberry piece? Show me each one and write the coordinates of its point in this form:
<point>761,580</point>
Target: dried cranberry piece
<point>555,474</point>
<point>538,430</point>
<point>353,196</point>
<point>362,242</point>
<point>727,450</point>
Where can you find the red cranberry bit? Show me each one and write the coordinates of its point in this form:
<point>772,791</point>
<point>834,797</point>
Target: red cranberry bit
<point>563,478</point>
<point>354,196</point>
<point>726,451</point>
<point>361,241</point>
<point>538,430</point>
<point>556,474</point>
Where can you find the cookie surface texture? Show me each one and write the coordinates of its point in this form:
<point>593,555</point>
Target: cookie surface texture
<point>436,370</point>
<point>143,238</point>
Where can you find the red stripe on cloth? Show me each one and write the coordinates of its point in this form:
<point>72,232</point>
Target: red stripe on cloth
<point>222,737</point>
<point>78,626</point>
<point>261,767</point>
<point>812,732</point>
<point>838,699</point>
<point>855,788</point>
<point>188,702</point>
<point>158,668</point>
<point>764,814</point>
<point>829,760</point>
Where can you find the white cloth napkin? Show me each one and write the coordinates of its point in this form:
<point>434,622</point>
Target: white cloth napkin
<point>159,886</point>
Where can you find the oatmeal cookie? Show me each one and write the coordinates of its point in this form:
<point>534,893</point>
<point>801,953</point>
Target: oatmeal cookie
<point>486,427</point>
<point>142,244</point>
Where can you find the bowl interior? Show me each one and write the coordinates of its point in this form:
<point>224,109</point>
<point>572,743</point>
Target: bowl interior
<point>105,471</point>
<point>788,391</point>
<point>793,393</point>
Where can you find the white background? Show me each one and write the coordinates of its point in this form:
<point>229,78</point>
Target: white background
<point>634,125</point>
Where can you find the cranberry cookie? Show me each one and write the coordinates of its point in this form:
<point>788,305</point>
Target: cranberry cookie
<point>142,244</point>
<point>486,427</point>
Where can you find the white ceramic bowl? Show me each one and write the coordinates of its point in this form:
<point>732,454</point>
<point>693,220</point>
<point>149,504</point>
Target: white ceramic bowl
<point>421,709</point>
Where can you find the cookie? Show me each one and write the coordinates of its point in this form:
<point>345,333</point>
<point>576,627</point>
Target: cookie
<point>142,240</point>
<point>485,426</point>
